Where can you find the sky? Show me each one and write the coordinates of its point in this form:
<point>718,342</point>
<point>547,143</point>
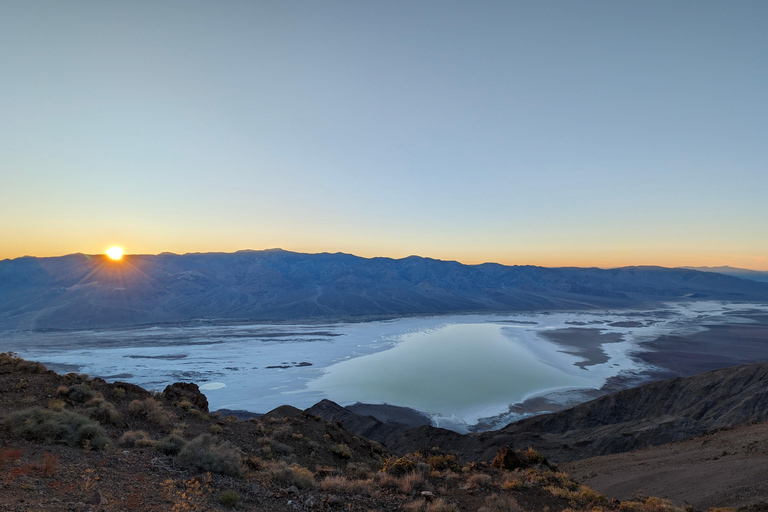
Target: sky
<point>555,133</point>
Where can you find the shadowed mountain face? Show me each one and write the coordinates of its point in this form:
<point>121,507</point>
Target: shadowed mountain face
<point>80,291</point>
<point>649,415</point>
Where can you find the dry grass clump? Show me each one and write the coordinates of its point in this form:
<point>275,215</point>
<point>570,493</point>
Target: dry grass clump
<point>43,425</point>
<point>135,438</point>
<point>583,495</point>
<point>151,409</point>
<point>479,481</point>
<point>504,503</point>
<point>286,475</point>
<point>206,454</point>
<point>413,482</point>
<point>341,484</point>
<point>55,404</point>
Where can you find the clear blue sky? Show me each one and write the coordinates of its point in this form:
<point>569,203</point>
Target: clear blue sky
<point>552,133</point>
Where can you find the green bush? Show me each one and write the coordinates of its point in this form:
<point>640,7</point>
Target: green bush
<point>230,498</point>
<point>43,425</point>
<point>342,451</point>
<point>81,394</point>
<point>137,438</point>
<point>205,454</point>
<point>104,412</point>
<point>171,445</point>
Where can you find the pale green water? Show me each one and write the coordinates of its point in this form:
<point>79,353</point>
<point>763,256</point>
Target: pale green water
<point>470,370</point>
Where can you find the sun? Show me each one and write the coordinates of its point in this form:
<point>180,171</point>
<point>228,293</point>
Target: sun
<point>115,253</point>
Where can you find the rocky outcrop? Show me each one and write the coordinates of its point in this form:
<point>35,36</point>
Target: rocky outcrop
<point>366,426</point>
<point>189,390</point>
<point>649,415</point>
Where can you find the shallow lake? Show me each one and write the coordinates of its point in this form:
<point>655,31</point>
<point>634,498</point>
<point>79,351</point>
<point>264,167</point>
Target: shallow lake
<point>458,368</point>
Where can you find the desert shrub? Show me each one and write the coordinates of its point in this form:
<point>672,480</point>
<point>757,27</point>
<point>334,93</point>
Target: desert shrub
<point>413,482</point>
<point>205,454</point>
<point>443,462</point>
<point>216,429</point>
<point>171,445</point>
<point>654,504</point>
<point>230,498</point>
<point>80,393</point>
<point>496,503</point>
<point>336,483</point>
<point>55,404</point>
<point>104,412</point>
<point>286,475</point>
<point>342,451</point>
<point>137,438</point>
<point>401,466</point>
<point>272,448</point>
<point>479,481</point>
<point>151,409</point>
<point>282,433</point>
<point>43,425</point>
<point>535,457</point>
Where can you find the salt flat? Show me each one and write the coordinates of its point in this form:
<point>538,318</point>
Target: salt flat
<point>461,369</point>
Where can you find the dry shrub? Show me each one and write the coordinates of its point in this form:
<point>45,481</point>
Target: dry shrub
<point>104,412</point>
<point>43,425</point>
<point>342,450</point>
<point>271,448</point>
<point>80,393</point>
<point>496,503</point>
<point>413,482</point>
<point>151,409</point>
<point>443,462</point>
<point>9,454</point>
<point>171,445</point>
<point>334,483</point>
<point>205,454</point>
<point>135,438</point>
<point>284,475</point>
<point>654,504</point>
<point>55,404</point>
<point>479,481</point>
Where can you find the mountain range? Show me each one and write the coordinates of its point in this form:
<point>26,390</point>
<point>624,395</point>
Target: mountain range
<point>81,291</point>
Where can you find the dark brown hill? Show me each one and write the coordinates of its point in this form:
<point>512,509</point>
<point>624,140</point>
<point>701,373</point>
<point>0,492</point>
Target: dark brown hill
<point>649,415</point>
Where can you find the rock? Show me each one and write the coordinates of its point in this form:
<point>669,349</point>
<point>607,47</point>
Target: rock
<point>506,458</point>
<point>189,390</point>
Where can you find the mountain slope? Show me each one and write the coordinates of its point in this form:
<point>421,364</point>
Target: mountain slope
<point>81,291</point>
<point>648,415</point>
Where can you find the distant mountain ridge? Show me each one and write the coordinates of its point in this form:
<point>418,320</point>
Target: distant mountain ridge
<point>80,291</point>
<point>743,273</point>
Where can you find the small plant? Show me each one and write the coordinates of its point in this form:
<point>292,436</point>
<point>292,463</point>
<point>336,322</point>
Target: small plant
<point>151,409</point>
<point>104,412</point>
<point>171,445</point>
<point>43,425</point>
<point>535,457</point>
<point>49,465</point>
<point>216,429</point>
<point>496,503</point>
<point>188,495</point>
<point>285,475</point>
<point>342,450</point>
<point>479,481</point>
<point>204,453</point>
<point>230,498</point>
<point>135,438</point>
<point>55,404</point>
<point>80,393</point>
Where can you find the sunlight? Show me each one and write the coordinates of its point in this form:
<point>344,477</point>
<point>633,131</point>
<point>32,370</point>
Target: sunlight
<point>115,253</point>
